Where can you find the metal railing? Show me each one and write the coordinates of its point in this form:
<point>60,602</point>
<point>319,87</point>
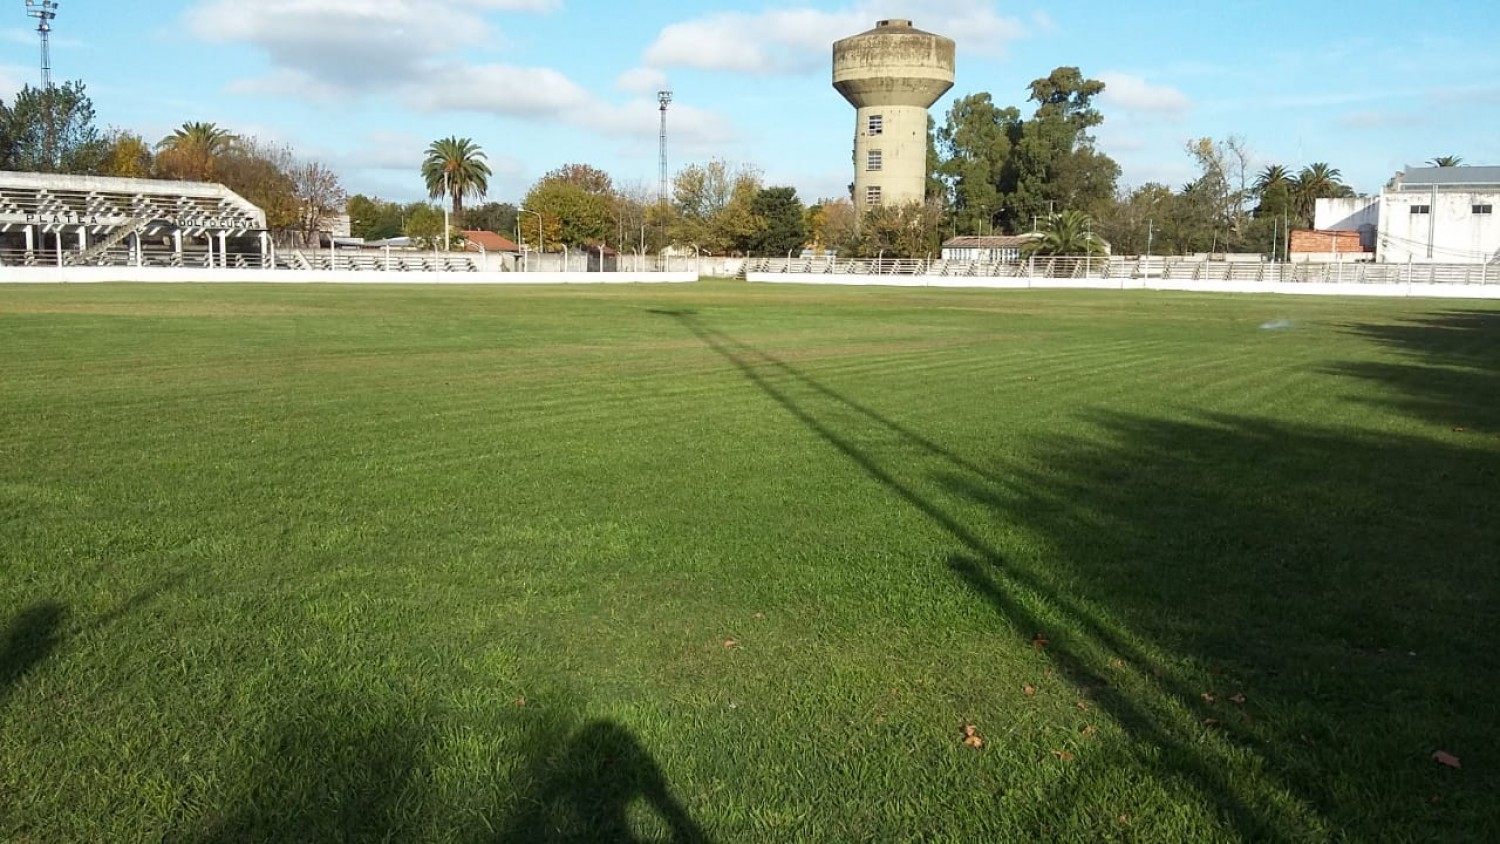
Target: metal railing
<point>1124,269</point>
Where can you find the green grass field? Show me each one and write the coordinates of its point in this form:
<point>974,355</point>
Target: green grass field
<point>731,563</point>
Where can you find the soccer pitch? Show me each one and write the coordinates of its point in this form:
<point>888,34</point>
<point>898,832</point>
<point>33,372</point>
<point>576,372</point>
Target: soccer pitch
<point>728,563</point>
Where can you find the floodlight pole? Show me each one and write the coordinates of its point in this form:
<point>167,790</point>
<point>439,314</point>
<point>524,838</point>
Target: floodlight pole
<point>45,11</point>
<point>447,223</point>
<point>664,98</point>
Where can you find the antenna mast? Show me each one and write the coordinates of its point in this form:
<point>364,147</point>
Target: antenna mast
<point>665,98</point>
<point>45,11</point>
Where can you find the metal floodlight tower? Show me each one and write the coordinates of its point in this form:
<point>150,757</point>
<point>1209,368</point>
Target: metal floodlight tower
<point>665,98</point>
<point>45,11</point>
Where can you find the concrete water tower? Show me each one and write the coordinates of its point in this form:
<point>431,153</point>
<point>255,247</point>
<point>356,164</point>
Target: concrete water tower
<point>892,75</point>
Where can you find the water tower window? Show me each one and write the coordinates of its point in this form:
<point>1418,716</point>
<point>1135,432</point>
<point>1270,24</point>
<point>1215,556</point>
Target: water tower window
<point>877,158</point>
<point>872,195</point>
<point>1421,209</point>
<point>877,124</point>
<point>1484,209</point>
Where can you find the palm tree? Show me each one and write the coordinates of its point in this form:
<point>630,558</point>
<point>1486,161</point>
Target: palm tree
<point>1446,161</point>
<point>456,168</point>
<point>1317,181</point>
<point>1272,177</point>
<point>1068,233</point>
<point>194,146</point>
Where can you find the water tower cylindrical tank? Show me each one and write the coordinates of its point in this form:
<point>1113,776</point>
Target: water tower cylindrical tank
<point>892,75</point>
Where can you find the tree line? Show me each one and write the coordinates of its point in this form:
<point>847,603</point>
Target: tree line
<point>992,170</point>
<point>54,131</point>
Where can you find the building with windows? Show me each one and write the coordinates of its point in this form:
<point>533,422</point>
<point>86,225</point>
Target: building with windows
<point>1437,215</point>
<point>892,75</point>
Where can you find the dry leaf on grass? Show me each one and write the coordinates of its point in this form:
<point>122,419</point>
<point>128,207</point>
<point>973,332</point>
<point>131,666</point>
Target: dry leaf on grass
<point>1030,690</point>
<point>1446,759</point>
<point>972,738</point>
<point>1083,706</point>
<point>1210,722</point>
<point>1208,698</point>
<point>520,701</point>
<point>1039,641</point>
<point>1063,755</point>
<point>1240,699</point>
<point>1089,731</point>
<point>731,643</point>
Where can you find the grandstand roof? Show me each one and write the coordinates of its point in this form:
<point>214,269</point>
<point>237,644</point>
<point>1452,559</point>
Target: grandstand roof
<point>54,200</point>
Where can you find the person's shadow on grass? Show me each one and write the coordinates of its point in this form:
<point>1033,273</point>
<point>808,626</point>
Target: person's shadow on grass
<point>585,792</point>
<point>29,640</point>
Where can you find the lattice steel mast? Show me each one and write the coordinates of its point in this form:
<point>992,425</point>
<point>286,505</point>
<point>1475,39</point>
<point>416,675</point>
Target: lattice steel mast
<point>665,98</point>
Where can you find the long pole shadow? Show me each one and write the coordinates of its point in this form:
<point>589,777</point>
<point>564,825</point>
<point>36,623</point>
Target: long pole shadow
<point>1164,723</point>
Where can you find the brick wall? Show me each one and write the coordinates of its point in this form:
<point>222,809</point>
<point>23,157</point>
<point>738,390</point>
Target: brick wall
<point>1326,243</point>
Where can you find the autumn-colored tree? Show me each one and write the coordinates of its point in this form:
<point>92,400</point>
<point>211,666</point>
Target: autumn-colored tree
<point>193,151</point>
<point>126,155</point>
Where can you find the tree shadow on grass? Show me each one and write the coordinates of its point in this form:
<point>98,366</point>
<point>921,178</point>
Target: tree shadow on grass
<point>1191,561</point>
<point>1452,373</point>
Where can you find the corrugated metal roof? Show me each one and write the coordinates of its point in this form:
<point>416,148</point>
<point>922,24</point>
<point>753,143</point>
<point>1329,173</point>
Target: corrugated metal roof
<point>1426,177</point>
<point>998,241</point>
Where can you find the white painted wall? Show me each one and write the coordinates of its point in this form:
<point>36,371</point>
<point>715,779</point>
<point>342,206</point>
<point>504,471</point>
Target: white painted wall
<point>1455,233</point>
<point>1352,214</point>
<point>1439,291</point>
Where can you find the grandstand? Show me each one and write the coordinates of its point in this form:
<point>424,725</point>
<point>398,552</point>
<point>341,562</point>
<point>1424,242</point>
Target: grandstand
<point>75,221</point>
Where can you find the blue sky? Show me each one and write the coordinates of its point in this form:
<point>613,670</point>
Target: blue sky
<point>364,85</point>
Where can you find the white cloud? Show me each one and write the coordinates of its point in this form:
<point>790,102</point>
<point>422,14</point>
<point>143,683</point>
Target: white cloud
<point>12,79</point>
<point>544,94</point>
<point>1132,93</point>
<point>642,80</point>
<point>351,45</point>
<point>800,40</point>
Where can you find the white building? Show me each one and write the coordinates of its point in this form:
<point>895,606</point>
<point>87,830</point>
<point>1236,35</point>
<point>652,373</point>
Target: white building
<point>1440,215</point>
<point>987,248</point>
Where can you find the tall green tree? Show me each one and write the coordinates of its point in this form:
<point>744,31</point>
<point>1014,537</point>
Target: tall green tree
<point>976,143</point>
<point>456,169</point>
<point>194,150</point>
<point>51,131</point>
<point>781,223</point>
<point>1057,166</point>
<point>372,218</point>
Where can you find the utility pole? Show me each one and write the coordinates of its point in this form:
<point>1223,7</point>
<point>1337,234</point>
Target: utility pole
<point>1150,234</point>
<point>447,223</point>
